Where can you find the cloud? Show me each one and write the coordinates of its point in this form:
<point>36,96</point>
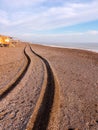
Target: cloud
<point>3,18</point>
<point>30,16</point>
<point>55,17</point>
<point>68,37</point>
<point>93,32</point>
<point>20,3</point>
<point>70,14</point>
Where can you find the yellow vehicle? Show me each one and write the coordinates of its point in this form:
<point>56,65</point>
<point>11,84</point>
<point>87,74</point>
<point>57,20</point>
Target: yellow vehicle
<point>5,41</point>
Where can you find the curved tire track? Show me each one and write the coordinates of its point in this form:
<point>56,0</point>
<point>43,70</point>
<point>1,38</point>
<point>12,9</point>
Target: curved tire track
<point>48,100</point>
<point>17,79</point>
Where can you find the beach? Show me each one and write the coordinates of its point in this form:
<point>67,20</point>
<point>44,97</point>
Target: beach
<point>76,71</point>
<point>54,88</point>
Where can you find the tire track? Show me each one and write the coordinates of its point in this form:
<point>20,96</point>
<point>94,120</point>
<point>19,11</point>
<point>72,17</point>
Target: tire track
<point>17,79</point>
<point>19,104</point>
<point>48,103</point>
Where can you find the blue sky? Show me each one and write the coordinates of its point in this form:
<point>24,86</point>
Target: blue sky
<point>50,21</point>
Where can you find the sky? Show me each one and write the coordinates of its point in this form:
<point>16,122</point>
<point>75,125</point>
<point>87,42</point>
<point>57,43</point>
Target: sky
<point>50,21</point>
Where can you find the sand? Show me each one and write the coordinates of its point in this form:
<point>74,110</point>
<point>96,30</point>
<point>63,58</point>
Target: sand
<point>77,73</point>
<point>17,106</point>
<point>75,77</point>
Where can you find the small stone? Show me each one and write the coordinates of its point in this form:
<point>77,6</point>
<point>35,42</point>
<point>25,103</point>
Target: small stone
<point>2,114</point>
<point>0,128</point>
<point>93,122</point>
<point>87,124</point>
<point>1,117</point>
<point>76,129</point>
<point>12,115</point>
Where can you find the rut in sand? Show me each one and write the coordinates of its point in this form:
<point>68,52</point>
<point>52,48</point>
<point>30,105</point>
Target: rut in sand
<point>17,79</point>
<point>43,115</point>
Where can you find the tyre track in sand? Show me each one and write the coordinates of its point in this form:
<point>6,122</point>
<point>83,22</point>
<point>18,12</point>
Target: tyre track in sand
<point>19,104</point>
<point>46,111</point>
<point>6,90</point>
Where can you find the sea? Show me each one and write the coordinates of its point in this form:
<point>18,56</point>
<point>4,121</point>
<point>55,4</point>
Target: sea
<point>83,46</point>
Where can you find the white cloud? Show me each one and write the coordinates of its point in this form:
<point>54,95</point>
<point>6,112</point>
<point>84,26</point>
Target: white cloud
<point>3,17</point>
<point>53,17</point>
<point>93,32</point>
<point>70,37</point>
<point>20,3</point>
<point>70,13</point>
<point>56,17</point>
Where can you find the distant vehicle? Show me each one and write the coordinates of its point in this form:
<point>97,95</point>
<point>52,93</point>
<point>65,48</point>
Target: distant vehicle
<point>5,41</point>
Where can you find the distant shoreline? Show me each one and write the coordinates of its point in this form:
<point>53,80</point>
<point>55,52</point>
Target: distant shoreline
<point>80,48</point>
